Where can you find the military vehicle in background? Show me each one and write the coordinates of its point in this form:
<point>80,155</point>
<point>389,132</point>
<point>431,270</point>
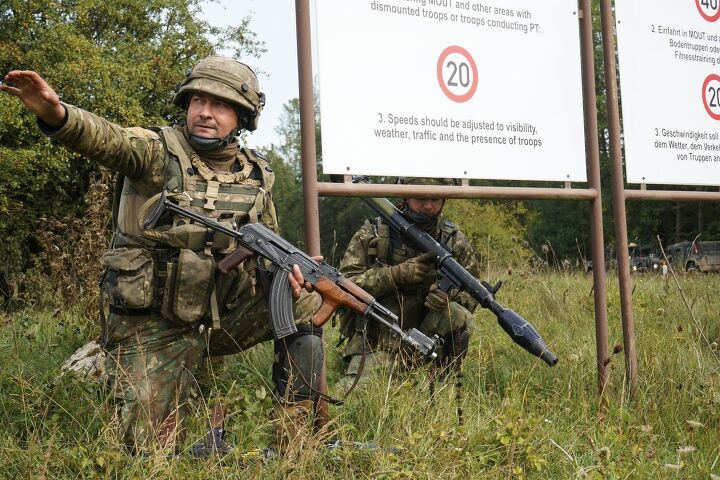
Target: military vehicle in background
<point>644,259</point>
<point>696,256</point>
<point>678,254</point>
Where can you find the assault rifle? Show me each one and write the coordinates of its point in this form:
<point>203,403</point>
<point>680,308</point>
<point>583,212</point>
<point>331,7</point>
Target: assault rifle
<point>281,255</point>
<point>452,275</point>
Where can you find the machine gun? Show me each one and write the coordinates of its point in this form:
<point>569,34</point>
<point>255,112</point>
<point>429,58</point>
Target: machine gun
<point>281,255</point>
<point>452,275</point>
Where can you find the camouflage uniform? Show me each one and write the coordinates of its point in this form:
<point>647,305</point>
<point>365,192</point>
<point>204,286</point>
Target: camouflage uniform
<point>367,260</point>
<point>163,293</point>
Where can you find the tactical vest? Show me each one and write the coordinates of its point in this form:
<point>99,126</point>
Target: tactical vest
<point>389,249</point>
<point>245,201</point>
<point>171,268</point>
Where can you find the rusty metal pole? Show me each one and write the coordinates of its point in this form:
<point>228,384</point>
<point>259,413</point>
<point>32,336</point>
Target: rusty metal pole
<point>307,127</point>
<point>618,195</point>
<point>437,191</point>
<point>309,163</point>
<point>596,225</point>
<point>674,195</point>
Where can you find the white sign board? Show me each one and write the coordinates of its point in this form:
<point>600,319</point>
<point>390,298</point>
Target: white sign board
<point>448,88</point>
<point>670,88</point>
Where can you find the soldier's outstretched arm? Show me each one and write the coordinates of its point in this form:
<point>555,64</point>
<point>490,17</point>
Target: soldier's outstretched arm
<point>37,96</point>
<point>130,151</point>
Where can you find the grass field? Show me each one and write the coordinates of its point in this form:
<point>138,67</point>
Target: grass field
<point>521,418</point>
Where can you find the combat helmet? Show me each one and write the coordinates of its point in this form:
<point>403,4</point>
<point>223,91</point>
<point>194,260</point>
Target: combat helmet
<point>229,80</point>
<point>423,220</point>
<point>426,181</point>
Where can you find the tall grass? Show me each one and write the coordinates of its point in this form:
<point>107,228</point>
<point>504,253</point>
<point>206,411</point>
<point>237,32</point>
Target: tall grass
<point>521,419</point>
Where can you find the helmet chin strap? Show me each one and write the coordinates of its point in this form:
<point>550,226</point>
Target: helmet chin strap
<point>204,144</point>
<point>423,220</point>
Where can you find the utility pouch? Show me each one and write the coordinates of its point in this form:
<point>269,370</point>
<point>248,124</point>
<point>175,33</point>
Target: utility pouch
<point>189,284</point>
<point>183,235</point>
<point>129,281</point>
<point>193,237</point>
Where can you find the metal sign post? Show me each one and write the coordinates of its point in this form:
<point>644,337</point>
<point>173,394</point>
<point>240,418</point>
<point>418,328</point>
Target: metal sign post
<point>623,266</point>
<point>309,164</point>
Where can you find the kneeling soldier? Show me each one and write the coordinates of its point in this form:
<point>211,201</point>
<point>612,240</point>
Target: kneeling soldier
<point>168,307</point>
<point>404,280</point>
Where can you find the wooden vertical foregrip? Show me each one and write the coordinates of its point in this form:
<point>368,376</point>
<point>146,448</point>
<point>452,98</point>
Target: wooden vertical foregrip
<point>333,296</point>
<point>323,314</point>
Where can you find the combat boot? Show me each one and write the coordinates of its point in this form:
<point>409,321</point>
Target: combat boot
<point>214,442</point>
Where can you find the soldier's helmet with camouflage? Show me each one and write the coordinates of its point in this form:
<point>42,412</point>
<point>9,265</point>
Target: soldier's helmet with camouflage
<point>229,80</point>
<point>424,220</point>
<point>426,181</point>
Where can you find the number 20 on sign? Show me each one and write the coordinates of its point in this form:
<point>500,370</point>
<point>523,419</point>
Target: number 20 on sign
<point>711,96</point>
<point>457,74</point>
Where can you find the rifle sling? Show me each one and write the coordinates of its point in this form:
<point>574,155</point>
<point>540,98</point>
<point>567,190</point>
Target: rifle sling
<point>361,367</point>
<point>119,184</point>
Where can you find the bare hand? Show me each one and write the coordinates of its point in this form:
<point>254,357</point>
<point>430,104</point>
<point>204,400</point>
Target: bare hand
<point>37,96</point>
<point>296,279</point>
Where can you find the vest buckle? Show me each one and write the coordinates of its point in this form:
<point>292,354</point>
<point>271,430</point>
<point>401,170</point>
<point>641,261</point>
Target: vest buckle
<point>211,195</point>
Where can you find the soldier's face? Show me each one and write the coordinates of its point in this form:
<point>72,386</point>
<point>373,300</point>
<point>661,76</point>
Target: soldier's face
<point>210,117</point>
<point>428,206</point>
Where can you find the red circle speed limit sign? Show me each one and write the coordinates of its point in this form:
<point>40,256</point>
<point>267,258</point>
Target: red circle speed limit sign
<point>709,9</point>
<point>711,95</point>
<point>457,74</point>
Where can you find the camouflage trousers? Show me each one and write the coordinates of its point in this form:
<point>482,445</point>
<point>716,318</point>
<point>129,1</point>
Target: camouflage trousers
<point>383,349</point>
<point>152,362</point>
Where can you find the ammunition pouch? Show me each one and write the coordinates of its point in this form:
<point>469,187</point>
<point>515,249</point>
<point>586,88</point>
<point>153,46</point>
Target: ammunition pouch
<point>129,280</point>
<point>178,285</point>
<point>190,282</point>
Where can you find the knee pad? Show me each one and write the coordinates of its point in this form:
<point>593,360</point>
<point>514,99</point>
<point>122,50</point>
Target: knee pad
<point>298,363</point>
